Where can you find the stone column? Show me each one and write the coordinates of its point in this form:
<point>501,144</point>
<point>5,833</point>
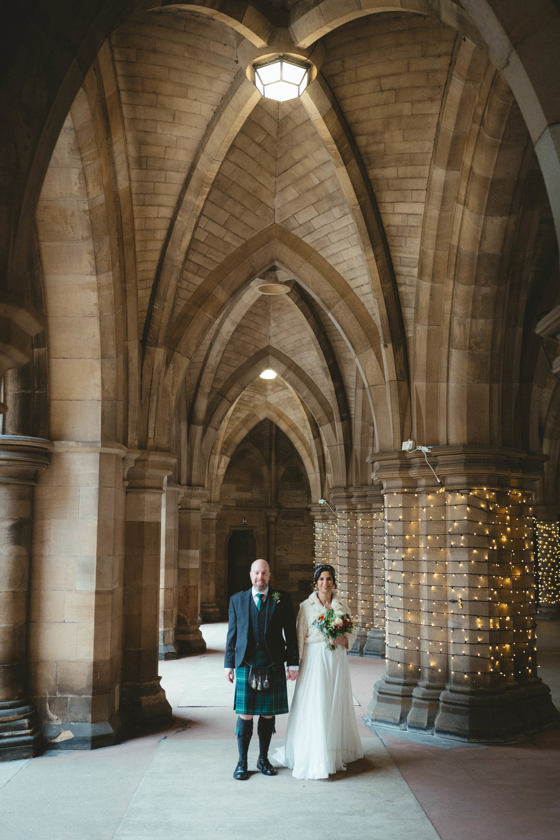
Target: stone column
<point>21,460</point>
<point>461,648</point>
<point>346,549</point>
<point>375,639</point>
<point>326,535</point>
<point>493,692</point>
<point>547,537</point>
<point>392,698</point>
<point>431,624</point>
<point>355,558</point>
<point>188,635</point>
<point>169,573</point>
<point>209,608</point>
<point>143,701</point>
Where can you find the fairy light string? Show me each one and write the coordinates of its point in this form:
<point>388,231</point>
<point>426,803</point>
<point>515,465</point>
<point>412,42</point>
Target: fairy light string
<point>460,594</point>
<point>351,540</point>
<point>449,574</point>
<point>547,538</point>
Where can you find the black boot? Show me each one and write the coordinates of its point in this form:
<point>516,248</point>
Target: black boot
<point>244,732</point>
<point>265,730</point>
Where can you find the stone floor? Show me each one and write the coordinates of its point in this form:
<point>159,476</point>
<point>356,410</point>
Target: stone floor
<point>178,783</point>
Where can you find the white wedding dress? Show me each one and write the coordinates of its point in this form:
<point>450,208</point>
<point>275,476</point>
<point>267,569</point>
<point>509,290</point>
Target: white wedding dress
<point>322,735</point>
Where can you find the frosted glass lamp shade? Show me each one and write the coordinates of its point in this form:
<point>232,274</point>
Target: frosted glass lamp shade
<point>281,79</point>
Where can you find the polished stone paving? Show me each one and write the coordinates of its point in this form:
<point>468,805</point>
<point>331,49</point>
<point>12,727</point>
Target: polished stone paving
<point>178,784</point>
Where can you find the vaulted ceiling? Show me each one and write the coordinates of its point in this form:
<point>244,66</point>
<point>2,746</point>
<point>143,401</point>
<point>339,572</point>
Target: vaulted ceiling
<point>385,242</point>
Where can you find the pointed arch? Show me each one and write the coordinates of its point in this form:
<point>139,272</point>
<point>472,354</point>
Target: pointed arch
<point>330,292</point>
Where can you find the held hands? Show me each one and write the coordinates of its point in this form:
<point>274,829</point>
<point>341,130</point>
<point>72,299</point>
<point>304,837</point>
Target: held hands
<point>340,640</point>
<point>291,675</point>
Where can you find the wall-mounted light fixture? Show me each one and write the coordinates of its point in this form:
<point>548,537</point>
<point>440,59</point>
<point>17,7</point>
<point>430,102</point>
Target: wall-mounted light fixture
<point>324,502</point>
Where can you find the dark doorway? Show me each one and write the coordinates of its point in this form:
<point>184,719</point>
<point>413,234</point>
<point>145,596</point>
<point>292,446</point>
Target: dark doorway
<point>241,553</point>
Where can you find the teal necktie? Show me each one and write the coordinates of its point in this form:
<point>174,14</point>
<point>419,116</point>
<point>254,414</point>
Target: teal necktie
<point>259,601</point>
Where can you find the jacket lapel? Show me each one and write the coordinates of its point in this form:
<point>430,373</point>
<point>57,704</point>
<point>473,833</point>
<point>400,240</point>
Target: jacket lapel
<point>272,602</point>
<point>247,607</point>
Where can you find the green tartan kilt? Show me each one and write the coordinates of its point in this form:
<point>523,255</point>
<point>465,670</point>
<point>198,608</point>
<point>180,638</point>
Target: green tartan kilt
<point>247,701</point>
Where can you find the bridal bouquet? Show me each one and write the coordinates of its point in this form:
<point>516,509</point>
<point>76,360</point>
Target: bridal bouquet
<point>333,623</point>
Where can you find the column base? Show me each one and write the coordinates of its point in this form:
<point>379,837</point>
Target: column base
<point>69,735</point>
<point>210,613</point>
<point>144,706</point>
<point>535,706</point>
<point>495,717</point>
<point>548,613</point>
<point>189,640</point>
<point>20,735</point>
<point>359,642</point>
<point>168,652</point>
<point>375,643</point>
<point>425,706</point>
<point>391,701</point>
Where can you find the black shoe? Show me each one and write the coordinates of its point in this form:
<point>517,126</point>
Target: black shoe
<point>240,771</point>
<point>264,765</point>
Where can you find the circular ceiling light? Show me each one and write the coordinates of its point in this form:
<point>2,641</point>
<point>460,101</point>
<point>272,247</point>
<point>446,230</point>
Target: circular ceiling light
<point>273,288</point>
<point>281,78</point>
<point>268,374</point>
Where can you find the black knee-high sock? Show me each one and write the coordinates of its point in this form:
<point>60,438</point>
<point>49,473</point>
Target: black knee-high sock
<point>244,732</point>
<point>265,728</point>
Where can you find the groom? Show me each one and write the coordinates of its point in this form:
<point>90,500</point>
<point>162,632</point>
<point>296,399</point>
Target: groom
<point>261,632</point>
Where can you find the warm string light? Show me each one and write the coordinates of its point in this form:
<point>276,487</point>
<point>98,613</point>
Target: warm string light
<point>547,536</point>
<point>348,542</point>
<point>441,584</point>
<point>457,591</point>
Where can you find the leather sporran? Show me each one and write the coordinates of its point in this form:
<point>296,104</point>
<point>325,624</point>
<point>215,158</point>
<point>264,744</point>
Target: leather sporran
<point>260,678</point>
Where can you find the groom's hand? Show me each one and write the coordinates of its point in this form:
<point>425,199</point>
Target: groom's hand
<point>292,675</point>
<point>230,674</point>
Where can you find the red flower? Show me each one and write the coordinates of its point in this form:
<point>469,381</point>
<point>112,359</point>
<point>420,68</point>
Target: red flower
<point>321,617</point>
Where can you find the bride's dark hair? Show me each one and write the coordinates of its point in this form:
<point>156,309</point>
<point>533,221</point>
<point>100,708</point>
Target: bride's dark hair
<point>324,567</point>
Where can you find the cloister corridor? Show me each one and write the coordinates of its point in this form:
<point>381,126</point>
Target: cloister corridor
<point>177,784</point>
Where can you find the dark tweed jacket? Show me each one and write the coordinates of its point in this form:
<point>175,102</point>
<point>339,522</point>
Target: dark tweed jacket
<point>280,638</point>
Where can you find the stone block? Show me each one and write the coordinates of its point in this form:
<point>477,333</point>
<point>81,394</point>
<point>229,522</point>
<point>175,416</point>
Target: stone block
<point>75,379</point>
<point>74,678</point>
<point>86,573</point>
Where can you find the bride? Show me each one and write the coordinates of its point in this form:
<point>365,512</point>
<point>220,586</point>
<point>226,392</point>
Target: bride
<point>322,735</point>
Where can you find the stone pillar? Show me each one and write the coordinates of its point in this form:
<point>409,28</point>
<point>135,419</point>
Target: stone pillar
<point>21,460</point>
<point>547,538</point>
<point>392,698</point>
<point>375,639</point>
<point>76,602</point>
<point>187,633</point>
<point>431,618</point>
<point>169,573</point>
<point>355,558</point>
<point>461,645</point>
<point>346,549</point>
<point>326,535</point>
<point>493,692</point>
<point>143,701</point>
<point>209,608</point>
